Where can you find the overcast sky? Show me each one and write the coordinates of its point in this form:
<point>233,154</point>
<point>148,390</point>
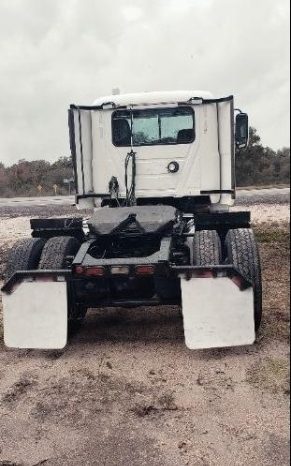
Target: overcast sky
<point>57,52</point>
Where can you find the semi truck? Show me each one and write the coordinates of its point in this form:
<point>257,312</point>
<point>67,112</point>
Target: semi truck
<point>156,171</point>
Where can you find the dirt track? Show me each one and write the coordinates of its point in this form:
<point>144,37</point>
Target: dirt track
<point>126,391</point>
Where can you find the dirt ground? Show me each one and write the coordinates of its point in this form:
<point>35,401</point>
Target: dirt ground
<point>126,390</point>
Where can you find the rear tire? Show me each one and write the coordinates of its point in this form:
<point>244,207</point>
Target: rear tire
<point>206,248</point>
<point>25,255</point>
<point>243,253</point>
<point>58,253</point>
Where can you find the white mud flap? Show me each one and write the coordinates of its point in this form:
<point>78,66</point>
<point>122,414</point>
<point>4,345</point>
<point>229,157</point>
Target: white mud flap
<point>217,313</point>
<point>35,315</point>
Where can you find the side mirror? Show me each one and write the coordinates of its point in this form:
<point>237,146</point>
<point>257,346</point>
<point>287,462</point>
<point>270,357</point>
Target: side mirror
<point>241,130</point>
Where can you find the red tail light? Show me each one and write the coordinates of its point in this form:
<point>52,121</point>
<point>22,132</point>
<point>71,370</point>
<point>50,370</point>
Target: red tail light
<point>144,270</point>
<point>93,271</point>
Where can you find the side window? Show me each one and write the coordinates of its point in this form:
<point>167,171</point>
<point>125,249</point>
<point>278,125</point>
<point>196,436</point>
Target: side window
<point>153,126</point>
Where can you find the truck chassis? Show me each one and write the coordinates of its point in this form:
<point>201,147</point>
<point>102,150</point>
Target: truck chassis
<point>130,257</point>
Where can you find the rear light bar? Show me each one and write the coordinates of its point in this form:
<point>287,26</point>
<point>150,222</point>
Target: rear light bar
<point>99,271</point>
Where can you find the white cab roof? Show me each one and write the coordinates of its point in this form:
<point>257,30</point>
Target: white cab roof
<point>157,97</point>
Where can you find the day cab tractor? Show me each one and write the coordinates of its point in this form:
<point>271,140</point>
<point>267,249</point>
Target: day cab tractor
<point>157,171</point>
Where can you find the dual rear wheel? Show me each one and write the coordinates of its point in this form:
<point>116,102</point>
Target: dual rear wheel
<point>53,254</point>
<point>241,250</point>
<point>58,253</point>
<point>240,247</point>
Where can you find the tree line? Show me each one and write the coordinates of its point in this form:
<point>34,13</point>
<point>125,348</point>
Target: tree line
<point>37,177</point>
<point>255,166</point>
<point>258,165</point>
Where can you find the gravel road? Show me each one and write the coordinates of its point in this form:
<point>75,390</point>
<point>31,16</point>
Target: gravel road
<point>251,196</point>
<point>265,196</point>
<point>126,390</point>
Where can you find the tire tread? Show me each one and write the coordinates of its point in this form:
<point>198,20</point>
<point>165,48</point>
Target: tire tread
<point>243,253</point>
<point>55,251</point>
<point>24,255</point>
<point>206,248</point>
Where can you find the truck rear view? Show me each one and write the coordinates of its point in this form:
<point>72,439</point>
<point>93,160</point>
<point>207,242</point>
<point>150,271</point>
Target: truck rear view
<point>157,170</point>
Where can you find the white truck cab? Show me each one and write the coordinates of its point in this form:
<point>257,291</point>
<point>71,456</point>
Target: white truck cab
<point>183,144</point>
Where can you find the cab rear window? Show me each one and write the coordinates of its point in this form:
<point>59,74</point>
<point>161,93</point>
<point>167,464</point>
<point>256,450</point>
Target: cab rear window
<point>159,126</point>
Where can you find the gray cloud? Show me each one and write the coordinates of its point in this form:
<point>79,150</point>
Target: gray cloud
<point>54,53</point>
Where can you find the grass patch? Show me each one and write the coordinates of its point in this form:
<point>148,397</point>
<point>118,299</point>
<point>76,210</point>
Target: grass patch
<point>272,374</point>
<point>275,326</point>
<point>273,233</point>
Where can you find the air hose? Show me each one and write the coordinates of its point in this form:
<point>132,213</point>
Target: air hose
<point>130,157</point>
<point>130,189</point>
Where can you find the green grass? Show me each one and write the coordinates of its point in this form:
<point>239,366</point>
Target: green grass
<point>271,374</point>
<point>271,233</point>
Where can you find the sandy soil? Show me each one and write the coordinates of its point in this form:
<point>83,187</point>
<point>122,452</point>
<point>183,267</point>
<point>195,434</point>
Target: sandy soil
<point>126,391</point>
